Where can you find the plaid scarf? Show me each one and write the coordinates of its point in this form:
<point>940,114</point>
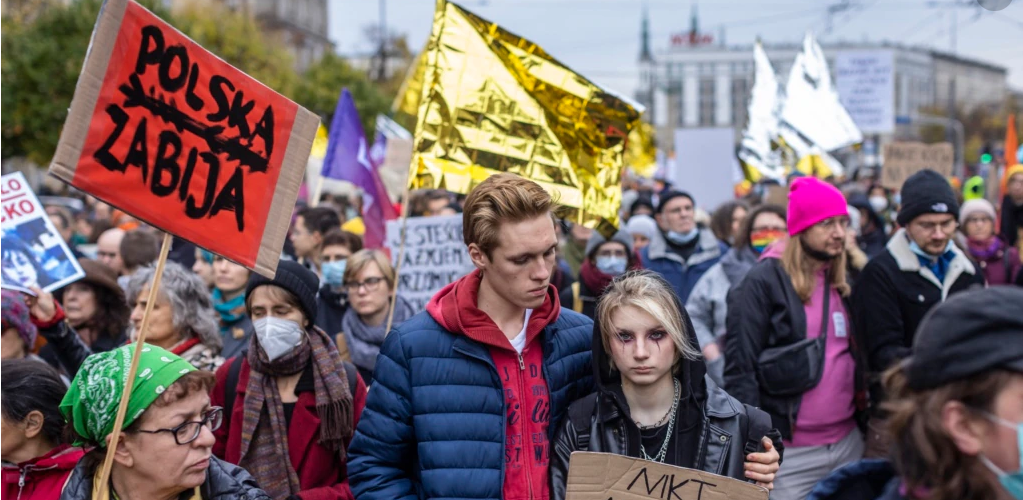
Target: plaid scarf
<point>264,428</point>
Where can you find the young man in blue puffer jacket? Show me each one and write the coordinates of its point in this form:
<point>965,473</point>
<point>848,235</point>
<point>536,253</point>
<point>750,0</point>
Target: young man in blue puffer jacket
<point>468,393</point>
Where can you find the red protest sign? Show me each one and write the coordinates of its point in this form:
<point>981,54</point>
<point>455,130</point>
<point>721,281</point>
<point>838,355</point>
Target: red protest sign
<point>166,131</point>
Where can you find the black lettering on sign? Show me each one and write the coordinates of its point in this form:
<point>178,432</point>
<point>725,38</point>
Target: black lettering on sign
<point>669,488</point>
<point>187,129</point>
<point>646,483</point>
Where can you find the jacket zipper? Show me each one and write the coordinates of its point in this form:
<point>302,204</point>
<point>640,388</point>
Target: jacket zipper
<point>21,480</point>
<point>524,432</point>
<point>24,473</point>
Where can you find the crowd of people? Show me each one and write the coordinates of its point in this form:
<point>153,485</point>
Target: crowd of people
<point>856,343</point>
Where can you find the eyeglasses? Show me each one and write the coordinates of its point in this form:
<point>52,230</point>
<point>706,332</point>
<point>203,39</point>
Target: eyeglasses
<point>978,220</point>
<point>189,431</point>
<point>780,229</point>
<point>371,284</point>
<point>832,223</point>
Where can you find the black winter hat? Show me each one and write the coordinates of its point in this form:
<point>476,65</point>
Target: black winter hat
<point>926,192</point>
<point>970,333</point>
<point>295,278</point>
<point>671,195</point>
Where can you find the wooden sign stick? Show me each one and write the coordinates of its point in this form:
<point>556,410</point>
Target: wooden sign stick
<point>317,193</point>
<point>154,287</point>
<point>401,257</point>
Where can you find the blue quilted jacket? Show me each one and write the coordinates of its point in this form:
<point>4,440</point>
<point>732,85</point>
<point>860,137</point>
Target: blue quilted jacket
<point>434,422</point>
<point>682,274</point>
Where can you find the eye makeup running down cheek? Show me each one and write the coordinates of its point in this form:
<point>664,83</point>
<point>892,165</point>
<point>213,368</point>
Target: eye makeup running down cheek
<point>656,336</point>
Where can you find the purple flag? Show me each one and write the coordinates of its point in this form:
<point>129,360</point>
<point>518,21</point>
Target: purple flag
<point>347,159</point>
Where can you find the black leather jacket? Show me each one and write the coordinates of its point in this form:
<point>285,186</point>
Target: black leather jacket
<point>64,348</point>
<point>224,481</point>
<point>723,432</point>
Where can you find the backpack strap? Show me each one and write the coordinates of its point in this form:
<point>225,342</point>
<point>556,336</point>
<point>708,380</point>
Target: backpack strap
<point>580,414</point>
<point>577,301</point>
<point>759,426</point>
<point>231,387</point>
<point>341,342</point>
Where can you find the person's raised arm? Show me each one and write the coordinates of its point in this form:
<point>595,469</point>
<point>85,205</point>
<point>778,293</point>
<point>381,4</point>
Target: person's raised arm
<point>48,317</point>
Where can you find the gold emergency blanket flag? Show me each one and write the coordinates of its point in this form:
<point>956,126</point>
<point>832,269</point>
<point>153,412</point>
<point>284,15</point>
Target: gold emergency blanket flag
<point>641,150</point>
<point>494,102</point>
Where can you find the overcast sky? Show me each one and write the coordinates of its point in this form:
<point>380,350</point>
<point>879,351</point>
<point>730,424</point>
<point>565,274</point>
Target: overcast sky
<point>600,38</point>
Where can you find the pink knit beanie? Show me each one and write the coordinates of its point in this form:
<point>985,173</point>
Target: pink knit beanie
<point>811,201</point>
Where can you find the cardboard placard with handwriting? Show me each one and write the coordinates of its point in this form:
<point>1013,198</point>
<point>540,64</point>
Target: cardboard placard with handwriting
<point>605,476</point>
<point>903,159</point>
<point>177,137</point>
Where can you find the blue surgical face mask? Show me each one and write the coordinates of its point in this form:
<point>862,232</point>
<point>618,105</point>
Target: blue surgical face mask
<point>334,272</point>
<point>920,251</point>
<point>682,238</point>
<point>609,264</point>
<point>1011,481</point>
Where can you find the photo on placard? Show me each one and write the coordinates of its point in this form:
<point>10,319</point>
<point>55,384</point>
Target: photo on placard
<point>33,253</point>
<point>33,256</point>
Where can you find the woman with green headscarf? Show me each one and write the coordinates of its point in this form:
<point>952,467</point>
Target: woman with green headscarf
<point>166,446</point>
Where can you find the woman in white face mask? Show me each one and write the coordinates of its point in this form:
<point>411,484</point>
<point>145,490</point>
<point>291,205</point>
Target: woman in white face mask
<point>291,389</point>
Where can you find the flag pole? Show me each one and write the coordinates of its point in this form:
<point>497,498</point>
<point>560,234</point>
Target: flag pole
<point>401,255</point>
<point>317,192</point>
<point>122,408</point>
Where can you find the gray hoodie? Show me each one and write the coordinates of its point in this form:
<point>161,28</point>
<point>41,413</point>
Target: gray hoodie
<point>706,304</point>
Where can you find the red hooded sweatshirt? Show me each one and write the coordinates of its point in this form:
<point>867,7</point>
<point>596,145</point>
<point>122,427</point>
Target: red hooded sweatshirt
<point>41,478</point>
<point>527,402</point>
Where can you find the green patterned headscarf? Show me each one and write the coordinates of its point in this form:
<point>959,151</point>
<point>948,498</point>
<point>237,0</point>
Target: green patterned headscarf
<point>91,402</point>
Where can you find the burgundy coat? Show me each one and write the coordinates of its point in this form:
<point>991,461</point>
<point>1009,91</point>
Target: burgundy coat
<point>321,473</point>
<point>993,268</point>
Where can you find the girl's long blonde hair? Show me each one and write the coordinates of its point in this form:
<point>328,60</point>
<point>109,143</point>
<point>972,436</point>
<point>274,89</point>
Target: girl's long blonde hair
<point>797,265</point>
<point>647,291</point>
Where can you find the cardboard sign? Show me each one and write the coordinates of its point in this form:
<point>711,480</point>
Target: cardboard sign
<point>777,195</point>
<point>34,253</point>
<point>903,159</point>
<point>704,165</point>
<point>605,476</point>
<point>435,255</point>
<point>166,131</point>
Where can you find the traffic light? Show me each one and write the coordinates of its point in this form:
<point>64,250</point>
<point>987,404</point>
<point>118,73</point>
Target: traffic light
<point>985,154</point>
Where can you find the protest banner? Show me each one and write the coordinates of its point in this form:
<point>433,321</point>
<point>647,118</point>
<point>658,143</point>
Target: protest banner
<point>606,476</point>
<point>865,81</point>
<point>706,158</point>
<point>434,255</point>
<point>169,133</point>
<point>903,159</point>
<point>34,253</point>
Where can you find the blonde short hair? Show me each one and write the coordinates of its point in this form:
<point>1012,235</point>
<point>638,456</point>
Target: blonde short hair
<point>650,293</point>
<point>359,260</point>
<point>501,198</point>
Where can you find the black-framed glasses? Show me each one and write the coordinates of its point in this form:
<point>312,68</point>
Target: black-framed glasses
<point>371,284</point>
<point>189,431</point>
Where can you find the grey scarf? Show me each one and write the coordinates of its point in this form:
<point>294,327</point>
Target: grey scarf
<point>364,341</point>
